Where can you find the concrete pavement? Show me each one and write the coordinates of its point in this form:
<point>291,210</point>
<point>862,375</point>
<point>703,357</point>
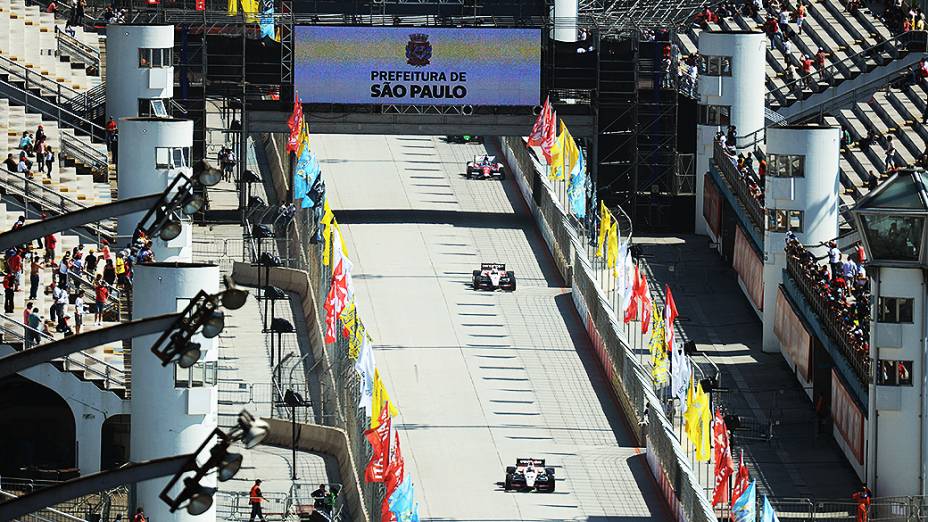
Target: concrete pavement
<point>480,378</point>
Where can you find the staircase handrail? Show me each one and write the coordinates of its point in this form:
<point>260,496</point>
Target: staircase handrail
<point>91,98</point>
<point>59,515</point>
<point>112,301</point>
<point>896,45</point>
<point>86,126</point>
<point>110,374</point>
<point>68,44</point>
<point>48,196</point>
<point>88,155</point>
<point>21,71</point>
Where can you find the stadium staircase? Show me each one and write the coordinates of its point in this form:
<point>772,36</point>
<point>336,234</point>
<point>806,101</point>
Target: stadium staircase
<point>51,78</point>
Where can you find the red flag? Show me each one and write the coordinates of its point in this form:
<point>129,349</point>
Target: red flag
<point>200,5</point>
<point>645,305</point>
<point>631,312</point>
<point>550,135</point>
<point>741,480</point>
<point>724,464</point>
<point>295,123</point>
<point>538,129</point>
<point>396,469</point>
<point>379,438</point>
<point>339,292</point>
<point>670,315</point>
<point>385,514</point>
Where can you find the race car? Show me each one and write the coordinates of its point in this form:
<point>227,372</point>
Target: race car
<point>463,139</point>
<point>484,167</point>
<point>529,474</point>
<point>492,276</point>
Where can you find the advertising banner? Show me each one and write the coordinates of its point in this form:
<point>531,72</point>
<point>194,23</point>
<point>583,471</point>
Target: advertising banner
<point>848,417</point>
<point>418,66</point>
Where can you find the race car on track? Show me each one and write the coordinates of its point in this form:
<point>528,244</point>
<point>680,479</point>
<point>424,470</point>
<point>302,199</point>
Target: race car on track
<point>485,167</point>
<point>494,275</point>
<point>529,474</point>
<point>463,139</point>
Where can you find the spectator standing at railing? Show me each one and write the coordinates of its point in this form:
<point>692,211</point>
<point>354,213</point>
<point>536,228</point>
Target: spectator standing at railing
<point>90,264</point>
<point>77,270</point>
<point>101,293</point>
<point>109,273</point>
<point>64,267</point>
<point>34,321</point>
<point>60,296</point>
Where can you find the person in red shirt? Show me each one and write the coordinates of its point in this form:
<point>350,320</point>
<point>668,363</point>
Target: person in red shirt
<point>863,498</point>
<point>110,131</point>
<point>50,243</point>
<point>807,70</point>
<point>15,265</point>
<point>139,516</point>
<point>101,294</point>
<point>8,285</point>
<point>861,256</point>
<point>255,498</point>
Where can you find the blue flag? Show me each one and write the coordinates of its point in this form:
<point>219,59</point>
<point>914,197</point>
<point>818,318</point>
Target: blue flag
<point>767,514</point>
<point>744,509</point>
<point>576,191</point>
<point>300,184</point>
<point>401,501</point>
<point>267,22</point>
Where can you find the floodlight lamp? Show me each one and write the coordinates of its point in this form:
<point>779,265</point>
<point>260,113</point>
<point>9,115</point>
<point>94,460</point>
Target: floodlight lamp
<point>189,355</point>
<point>192,203</point>
<point>229,465</point>
<point>253,430</point>
<point>171,229</point>
<point>214,324</point>
<point>201,498</point>
<point>207,175</point>
<point>233,297</point>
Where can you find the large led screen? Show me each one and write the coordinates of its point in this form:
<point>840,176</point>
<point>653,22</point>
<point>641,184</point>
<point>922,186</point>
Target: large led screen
<point>417,66</point>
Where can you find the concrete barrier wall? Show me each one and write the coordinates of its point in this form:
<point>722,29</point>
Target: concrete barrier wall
<point>630,382</point>
<point>324,439</point>
<point>315,438</point>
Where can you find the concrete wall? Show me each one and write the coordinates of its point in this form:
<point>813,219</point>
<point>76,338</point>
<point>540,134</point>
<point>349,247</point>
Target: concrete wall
<point>126,82</point>
<point>323,439</point>
<point>630,382</point>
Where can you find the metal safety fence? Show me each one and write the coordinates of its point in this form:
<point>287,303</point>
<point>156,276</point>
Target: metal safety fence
<point>596,296</point>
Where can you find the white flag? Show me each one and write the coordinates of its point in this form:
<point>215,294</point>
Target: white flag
<point>365,368</point>
<point>339,256</point>
<point>679,373</point>
<point>628,290</point>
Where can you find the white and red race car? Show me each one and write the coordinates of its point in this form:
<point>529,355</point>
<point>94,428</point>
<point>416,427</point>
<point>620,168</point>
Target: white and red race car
<point>529,474</point>
<point>485,167</point>
<point>492,276</point>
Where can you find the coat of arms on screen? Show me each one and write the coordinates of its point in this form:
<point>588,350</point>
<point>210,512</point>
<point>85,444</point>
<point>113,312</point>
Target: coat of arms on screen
<point>418,50</point>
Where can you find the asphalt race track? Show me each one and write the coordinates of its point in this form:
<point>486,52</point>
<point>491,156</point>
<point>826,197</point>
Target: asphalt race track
<point>480,378</point>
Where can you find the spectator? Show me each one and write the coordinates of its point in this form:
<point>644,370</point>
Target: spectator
<point>110,130</point>
<point>101,294</point>
<point>807,71</point>
<point>9,287</point>
<point>820,56</point>
<point>14,264</point>
<point>11,164</point>
<point>90,264</point>
<point>24,166</point>
<point>109,273</point>
<point>52,7</point>
<point>35,326</point>
<point>122,271</point>
<point>35,266</point>
<point>50,243</point>
<point>60,295</point>
<point>25,143</point>
<point>78,313</point>
<point>872,181</point>
<point>800,16</point>
<point>64,267</point>
<point>49,161</point>
<point>889,152</point>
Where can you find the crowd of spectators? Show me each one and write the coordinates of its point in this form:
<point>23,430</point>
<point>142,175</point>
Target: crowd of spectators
<point>33,151</point>
<point>843,289</point>
<point>744,164</point>
<point>62,276</point>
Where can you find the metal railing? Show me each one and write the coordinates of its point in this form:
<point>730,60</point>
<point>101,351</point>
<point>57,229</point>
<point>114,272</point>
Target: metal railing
<point>89,104</point>
<point>93,367</point>
<point>737,182</point>
<point>76,49</point>
<point>51,201</point>
<point>80,151</point>
<point>32,89</point>
<point>45,515</point>
<point>859,362</point>
<point>837,72</point>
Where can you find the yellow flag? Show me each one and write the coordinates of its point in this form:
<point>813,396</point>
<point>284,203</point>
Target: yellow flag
<point>691,415</point>
<point>302,141</point>
<point>557,154</point>
<point>250,8</point>
<point>352,324</point>
<point>612,247</point>
<point>327,218</point>
<point>704,447</point>
<point>380,396</point>
<point>233,7</point>
<point>571,152</point>
<point>605,221</point>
